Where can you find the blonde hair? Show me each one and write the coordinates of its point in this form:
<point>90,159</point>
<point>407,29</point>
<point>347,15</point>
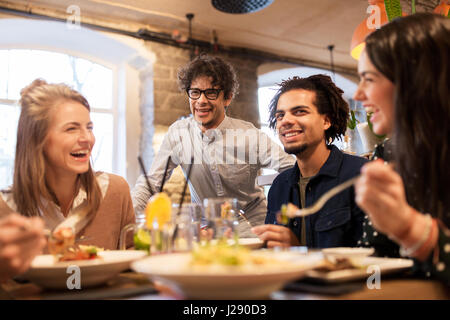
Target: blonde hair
<point>38,100</point>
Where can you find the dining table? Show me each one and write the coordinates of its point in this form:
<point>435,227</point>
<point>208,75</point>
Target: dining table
<point>130,285</point>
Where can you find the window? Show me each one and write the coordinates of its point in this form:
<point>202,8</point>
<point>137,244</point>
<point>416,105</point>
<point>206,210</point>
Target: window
<point>19,67</point>
<point>265,95</point>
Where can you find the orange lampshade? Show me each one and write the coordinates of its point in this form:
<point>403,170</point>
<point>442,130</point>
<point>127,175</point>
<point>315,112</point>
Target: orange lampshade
<point>442,8</point>
<point>362,30</point>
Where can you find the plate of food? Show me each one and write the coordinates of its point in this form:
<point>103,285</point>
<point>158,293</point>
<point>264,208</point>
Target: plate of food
<point>95,265</point>
<point>343,270</point>
<point>221,271</point>
<point>251,243</point>
<point>353,254</point>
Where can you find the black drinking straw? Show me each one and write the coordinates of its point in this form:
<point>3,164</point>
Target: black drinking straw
<point>145,174</point>
<point>182,198</point>
<point>164,176</point>
<point>185,185</point>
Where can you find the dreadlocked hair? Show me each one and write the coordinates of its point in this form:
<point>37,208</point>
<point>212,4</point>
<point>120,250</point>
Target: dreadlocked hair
<point>328,100</point>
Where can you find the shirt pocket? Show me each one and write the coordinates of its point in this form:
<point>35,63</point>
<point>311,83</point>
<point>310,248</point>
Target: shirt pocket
<point>237,175</point>
<point>332,219</point>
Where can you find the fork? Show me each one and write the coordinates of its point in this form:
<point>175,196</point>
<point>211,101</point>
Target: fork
<point>49,234</point>
<point>246,208</point>
<point>241,214</point>
<point>322,200</point>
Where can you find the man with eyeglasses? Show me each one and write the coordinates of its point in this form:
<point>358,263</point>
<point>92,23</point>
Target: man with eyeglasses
<point>227,152</point>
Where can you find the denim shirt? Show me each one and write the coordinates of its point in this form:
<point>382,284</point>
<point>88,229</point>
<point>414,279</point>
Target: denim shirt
<point>339,222</point>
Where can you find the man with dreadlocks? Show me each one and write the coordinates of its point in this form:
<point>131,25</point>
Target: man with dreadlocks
<point>308,115</point>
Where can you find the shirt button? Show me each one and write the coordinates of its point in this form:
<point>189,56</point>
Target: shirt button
<point>295,223</point>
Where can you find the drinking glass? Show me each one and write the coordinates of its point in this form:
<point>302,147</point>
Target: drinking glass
<point>197,219</point>
<point>182,235</point>
<point>221,216</point>
<point>150,237</point>
<point>141,234</point>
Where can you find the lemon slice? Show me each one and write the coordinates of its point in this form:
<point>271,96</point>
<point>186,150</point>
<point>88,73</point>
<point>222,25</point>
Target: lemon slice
<point>159,207</point>
<point>142,240</point>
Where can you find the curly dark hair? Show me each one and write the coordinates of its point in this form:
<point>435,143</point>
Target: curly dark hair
<point>328,100</point>
<point>222,73</point>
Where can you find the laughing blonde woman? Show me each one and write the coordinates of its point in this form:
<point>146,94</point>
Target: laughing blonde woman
<point>53,176</point>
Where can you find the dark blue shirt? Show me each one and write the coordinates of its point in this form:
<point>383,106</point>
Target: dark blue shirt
<point>339,222</point>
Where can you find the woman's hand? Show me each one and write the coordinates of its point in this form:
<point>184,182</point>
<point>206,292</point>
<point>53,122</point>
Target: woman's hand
<point>276,236</point>
<point>380,194</point>
<point>21,239</point>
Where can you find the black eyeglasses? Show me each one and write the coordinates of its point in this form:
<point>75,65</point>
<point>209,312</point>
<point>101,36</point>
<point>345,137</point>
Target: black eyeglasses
<point>210,94</point>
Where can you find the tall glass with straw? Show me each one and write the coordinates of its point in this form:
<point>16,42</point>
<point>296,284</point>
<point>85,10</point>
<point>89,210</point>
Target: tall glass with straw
<point>153,223</point>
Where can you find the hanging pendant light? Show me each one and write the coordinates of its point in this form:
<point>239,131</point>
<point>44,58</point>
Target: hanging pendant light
<point>377,18</point>
<point>240,6</point>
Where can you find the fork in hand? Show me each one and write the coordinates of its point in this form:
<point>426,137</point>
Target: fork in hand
<point>292,213</point>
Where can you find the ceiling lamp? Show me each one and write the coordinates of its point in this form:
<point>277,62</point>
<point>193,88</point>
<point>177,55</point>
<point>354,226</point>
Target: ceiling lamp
<point>377,18</point>
<point>240,6</point>
<point>443,8</point>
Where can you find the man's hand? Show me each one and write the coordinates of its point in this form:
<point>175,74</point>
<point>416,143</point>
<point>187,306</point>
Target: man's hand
<point>21,239</point>
<point>276,236</point>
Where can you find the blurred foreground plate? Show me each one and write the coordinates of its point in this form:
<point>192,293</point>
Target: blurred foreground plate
<point>46,272</point>
<point>226,282</point>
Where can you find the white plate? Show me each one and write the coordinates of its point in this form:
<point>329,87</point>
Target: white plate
<point>368,267</point>
<point>231,282</point>
<point>356,255</point>
<point>46,272</point>
<point>251,243</point>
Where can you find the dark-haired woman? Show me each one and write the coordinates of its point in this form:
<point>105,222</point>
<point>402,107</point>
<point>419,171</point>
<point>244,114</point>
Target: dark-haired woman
<point>405,76</point>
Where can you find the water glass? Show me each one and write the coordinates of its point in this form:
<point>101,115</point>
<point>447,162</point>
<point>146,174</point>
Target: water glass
<point>221,215</point>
